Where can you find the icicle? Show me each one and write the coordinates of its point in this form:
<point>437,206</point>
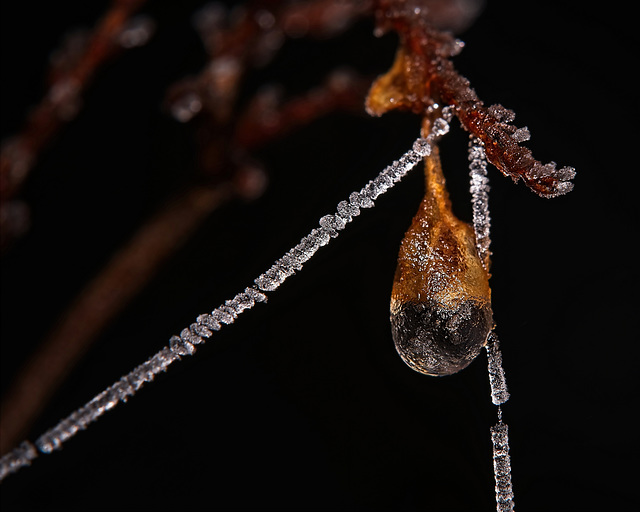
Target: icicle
<point>203,327</point>
<point>499,393</point>
<point>480,198</point>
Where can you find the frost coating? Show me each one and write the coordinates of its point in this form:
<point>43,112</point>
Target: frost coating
<point>17,458</point>
<point>502,467</point>
<point>206,324</point>
<point>331,225</point>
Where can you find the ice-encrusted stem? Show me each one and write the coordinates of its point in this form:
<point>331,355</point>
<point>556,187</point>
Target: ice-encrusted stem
<point>502,467</point>
<point>499,394</point>
<point>500,431</point>
<point>331,225</point>
<point>203,327</point>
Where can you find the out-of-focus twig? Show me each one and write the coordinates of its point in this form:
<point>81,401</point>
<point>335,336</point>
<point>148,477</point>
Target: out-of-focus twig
<point>226,135</point>
<point>71,73</point>
<point>128,271</point>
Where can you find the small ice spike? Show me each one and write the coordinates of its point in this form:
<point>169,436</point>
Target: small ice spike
<point>480,199</point>
<point>502,467</point>
<point>499,393</point>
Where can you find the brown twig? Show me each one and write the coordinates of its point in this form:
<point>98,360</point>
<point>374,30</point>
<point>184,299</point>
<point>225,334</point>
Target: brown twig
<point>69,78</point>
<point>423,78</point>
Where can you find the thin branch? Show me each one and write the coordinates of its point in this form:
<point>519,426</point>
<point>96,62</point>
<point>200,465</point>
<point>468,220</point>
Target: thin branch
<point>226,314</point>
<point>227,171</point>
<point>423,78</point>
<point>71,74</point>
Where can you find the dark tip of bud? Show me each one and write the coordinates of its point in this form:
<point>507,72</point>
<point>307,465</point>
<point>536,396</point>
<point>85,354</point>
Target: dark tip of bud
<point>435,340</point>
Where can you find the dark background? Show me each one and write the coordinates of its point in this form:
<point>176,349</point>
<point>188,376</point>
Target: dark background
<point>304,404</point>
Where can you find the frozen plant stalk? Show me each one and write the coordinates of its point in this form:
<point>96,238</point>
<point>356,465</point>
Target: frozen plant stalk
<point>502,467</point>
<point>500,431</point>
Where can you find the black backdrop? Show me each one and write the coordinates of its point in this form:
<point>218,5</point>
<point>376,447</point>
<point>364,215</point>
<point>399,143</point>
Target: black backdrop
<point>304,404</point>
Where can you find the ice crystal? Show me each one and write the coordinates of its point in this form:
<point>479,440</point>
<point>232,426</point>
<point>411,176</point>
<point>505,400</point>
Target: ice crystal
<point>480,198</point>
<point>18,458</point>
<point>499,393</point>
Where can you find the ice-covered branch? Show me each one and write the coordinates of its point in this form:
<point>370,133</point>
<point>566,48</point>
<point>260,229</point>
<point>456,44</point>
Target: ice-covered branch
<point>499,394</point>
<point>199,331</point>
<point>330,225</point>
<point>424,75</point>
<point>18,458</point>
<point>500,431</point>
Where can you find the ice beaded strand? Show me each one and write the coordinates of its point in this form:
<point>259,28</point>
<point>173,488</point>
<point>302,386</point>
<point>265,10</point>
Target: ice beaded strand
<point>199,331</point>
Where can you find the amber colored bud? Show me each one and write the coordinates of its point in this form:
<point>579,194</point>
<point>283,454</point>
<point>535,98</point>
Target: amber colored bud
<point>441,301</point>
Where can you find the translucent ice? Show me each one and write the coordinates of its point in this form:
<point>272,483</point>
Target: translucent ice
<point>499,393</point>
<point>480,199</point>
<point>184,108</point>
<point>331,225</point>
<point>502,467</point>
<point>521,135</point>
<point>206,324</point>
<point>16,459</point>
